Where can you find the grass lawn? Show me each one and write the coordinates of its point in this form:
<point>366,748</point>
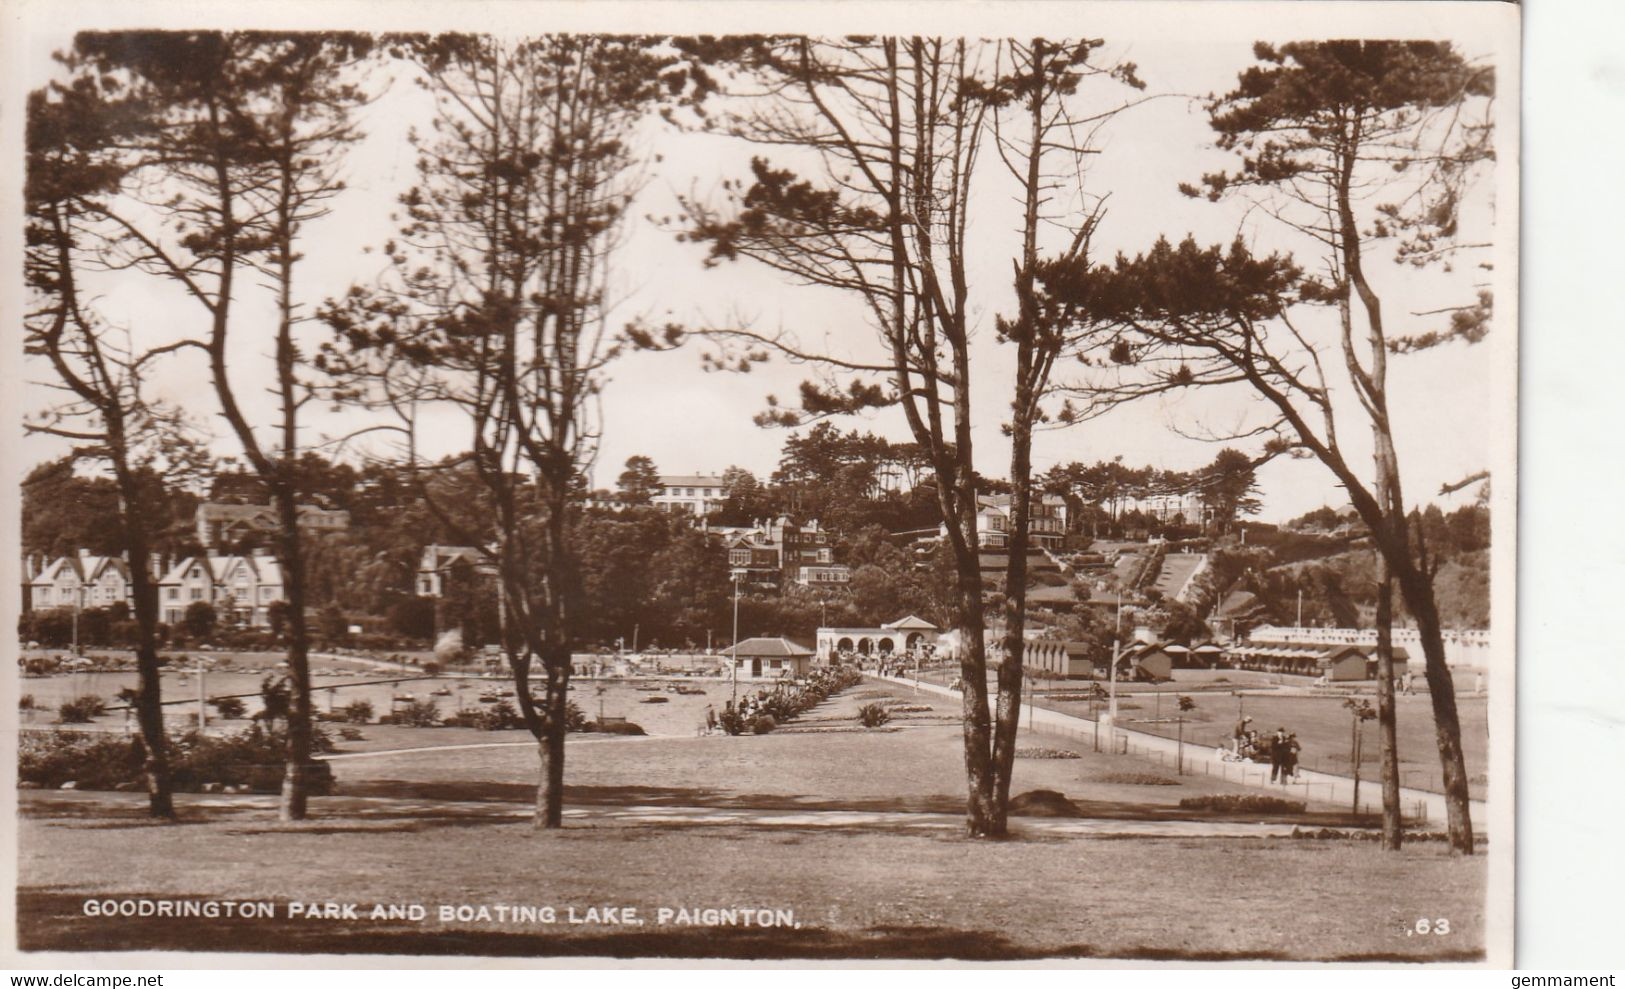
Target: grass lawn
<point>420,827</point>
<point>918,765</point>
<point>853,895</point>
<point>1323,726</point>
<point>1321,721</point>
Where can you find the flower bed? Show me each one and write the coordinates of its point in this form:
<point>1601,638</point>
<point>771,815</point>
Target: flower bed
<point>1038,753</point>
<point>1245,802</point>
<point>765,710</point>
<point>1135,779</point>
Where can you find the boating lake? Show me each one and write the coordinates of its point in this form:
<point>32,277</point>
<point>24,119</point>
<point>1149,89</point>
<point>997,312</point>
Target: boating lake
<point>630,698</point>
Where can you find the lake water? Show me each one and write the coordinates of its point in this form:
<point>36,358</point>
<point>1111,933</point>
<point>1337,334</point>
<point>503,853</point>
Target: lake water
<point>679,714</point>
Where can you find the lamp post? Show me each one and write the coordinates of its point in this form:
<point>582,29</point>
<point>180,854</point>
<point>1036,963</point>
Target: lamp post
<point>733,651</point>
<point>1111,675</point>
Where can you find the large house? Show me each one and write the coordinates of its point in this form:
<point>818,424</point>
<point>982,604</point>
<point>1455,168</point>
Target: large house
<point>1167,506</point>
<point>81,580</point>
<point>1046,527</point>
<point>687,494</point>
<point>241,588</point>
<point>777,550</point>
<point>690,494</point>
<point>221,525</point>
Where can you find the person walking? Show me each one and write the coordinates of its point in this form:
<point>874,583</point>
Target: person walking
<point>1289,760</point>
<point>1277,753</point>
<point>710,720</point>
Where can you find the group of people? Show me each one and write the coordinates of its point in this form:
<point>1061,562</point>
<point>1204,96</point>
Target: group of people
<point>1281,748</point>
<point>749,707</point>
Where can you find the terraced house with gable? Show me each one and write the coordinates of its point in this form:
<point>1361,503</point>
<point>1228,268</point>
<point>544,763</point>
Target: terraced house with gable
<point>241,588</point>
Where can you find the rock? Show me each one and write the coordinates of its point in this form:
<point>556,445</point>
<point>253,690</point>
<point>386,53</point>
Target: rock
<point>69,785</point>
<point>127,787</point>
<point>213,788</point>
<point>1043,803</point>
<point>28,785</point>
<point>236,789</point>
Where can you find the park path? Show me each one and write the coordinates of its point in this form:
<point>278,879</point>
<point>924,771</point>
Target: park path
<point>1327,788</point>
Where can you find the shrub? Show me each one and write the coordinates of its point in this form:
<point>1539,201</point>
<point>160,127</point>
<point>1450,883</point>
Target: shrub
<point>731,721</point>
<point>25,702</point>
<point>230,708</point>
<point>762,724</point>
<point>357,712</point>
<point>873,715</point>
<point>575,719</point>
<point>81,710</point>
<point>616,728</point>
<point>1242,802</point>
<point>418,714</point>
<point>252,758</point>
<point>95,762</point>
<point>496,717</point>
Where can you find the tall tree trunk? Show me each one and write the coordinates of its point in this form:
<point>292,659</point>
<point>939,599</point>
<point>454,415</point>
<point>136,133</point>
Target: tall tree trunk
<point>149,701</point>
<point>550,747</point>
<point>1417,590</point>
<point>1391,529</point>
<point>295,779</point>
<point>1386,721</point>
<point>982,818</point>
<point>1008,716</point>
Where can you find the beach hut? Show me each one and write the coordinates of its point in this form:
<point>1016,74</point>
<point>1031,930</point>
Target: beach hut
<point>1146,661</point>
<point>1346,663</point>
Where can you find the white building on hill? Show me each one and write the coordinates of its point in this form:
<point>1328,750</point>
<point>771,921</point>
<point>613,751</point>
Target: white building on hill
<point>690,494</point>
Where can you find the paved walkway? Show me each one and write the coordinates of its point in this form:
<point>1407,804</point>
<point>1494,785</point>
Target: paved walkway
<point>1323,787</point>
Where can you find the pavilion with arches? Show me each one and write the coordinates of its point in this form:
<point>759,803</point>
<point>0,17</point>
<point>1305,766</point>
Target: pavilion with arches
<point>910,634</point>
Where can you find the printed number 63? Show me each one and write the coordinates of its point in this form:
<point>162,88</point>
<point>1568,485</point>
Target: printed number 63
<point>1426,926</point>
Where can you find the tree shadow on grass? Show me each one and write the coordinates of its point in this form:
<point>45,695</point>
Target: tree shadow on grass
<point>647,796</point>
<point>129,810</point>
<point>672,796</point>
<point>51,920</point>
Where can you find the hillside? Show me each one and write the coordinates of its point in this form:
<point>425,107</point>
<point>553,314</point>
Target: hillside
<point>1342,588</point>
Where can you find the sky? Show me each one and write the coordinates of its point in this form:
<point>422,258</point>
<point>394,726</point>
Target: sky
<point>1445,402</point>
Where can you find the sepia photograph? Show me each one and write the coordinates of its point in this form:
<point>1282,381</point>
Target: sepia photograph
<point>764,483</point>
